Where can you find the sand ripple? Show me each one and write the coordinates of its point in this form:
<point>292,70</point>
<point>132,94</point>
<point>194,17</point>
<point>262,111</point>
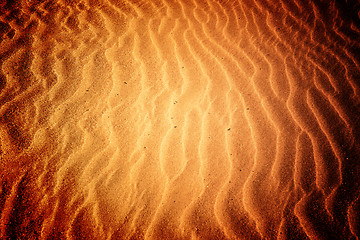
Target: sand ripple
<point>179,119</point>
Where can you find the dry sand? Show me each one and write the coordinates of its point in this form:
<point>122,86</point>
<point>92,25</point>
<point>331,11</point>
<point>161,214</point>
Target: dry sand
<point>179,119</point>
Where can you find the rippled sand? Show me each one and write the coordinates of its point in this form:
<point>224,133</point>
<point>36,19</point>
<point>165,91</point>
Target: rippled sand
<point>180,119</point>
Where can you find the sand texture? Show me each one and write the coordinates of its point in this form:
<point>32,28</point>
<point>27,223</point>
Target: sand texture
<point>179,119</point>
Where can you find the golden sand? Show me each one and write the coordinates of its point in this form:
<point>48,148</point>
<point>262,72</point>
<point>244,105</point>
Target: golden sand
<point>179,119</point>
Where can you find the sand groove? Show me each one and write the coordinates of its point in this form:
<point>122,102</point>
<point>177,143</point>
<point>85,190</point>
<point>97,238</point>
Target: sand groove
<point>179,119</point>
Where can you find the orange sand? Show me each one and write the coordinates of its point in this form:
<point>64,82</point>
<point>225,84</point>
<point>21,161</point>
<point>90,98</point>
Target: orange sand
<point>179,119</point>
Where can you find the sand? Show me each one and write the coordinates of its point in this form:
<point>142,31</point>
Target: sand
<point>179,119</point>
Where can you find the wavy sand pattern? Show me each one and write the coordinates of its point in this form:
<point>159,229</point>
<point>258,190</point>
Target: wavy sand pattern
<point>180,119</point>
